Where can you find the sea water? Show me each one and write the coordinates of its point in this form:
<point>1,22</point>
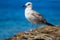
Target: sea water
<point>12,19</point>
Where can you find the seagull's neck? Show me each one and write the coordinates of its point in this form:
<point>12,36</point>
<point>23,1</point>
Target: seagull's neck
<point>27,12</point>
<point>28,8</point>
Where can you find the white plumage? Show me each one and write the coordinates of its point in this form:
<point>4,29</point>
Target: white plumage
<point>33,16</point>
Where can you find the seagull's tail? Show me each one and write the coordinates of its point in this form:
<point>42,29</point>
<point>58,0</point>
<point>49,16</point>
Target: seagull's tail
<point>49,24</point>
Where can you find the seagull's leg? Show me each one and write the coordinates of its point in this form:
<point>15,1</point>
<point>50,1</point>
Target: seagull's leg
<point>31,27</point>
<point>37,25</point>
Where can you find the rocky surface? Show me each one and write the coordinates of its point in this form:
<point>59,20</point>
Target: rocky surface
<point>44,33</point>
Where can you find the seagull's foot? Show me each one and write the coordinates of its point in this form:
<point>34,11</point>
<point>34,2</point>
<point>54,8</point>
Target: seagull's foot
<point>31,29</point>
<point>36,28</point>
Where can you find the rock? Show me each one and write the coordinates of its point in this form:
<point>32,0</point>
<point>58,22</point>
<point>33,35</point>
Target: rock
<point>45,37</point>
<point>44,33</point>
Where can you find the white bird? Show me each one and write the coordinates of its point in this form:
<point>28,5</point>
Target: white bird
<point>33,16</point>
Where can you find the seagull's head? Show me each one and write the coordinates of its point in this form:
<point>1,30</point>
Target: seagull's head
<point>28,4</point>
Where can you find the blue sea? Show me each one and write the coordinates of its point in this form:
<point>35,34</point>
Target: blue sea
<point>12,19</point>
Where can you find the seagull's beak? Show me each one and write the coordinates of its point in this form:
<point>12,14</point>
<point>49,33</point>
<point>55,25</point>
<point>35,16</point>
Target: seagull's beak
<point>23,6</point>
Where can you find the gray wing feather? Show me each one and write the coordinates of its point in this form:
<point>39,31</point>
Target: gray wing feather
<point>37,15</point>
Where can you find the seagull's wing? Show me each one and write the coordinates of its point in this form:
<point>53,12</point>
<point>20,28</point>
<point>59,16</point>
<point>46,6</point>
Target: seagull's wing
<point>38,16</point>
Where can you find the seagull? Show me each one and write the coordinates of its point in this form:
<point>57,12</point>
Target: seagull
<point>33,16</point>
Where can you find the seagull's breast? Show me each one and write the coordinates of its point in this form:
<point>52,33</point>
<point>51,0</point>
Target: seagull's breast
<point>29,16</point>
<point>28,12</point>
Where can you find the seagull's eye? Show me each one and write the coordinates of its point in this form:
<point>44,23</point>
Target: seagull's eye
<point>28,4</point>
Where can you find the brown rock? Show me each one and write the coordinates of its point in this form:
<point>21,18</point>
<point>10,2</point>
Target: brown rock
<point>44,33</point>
